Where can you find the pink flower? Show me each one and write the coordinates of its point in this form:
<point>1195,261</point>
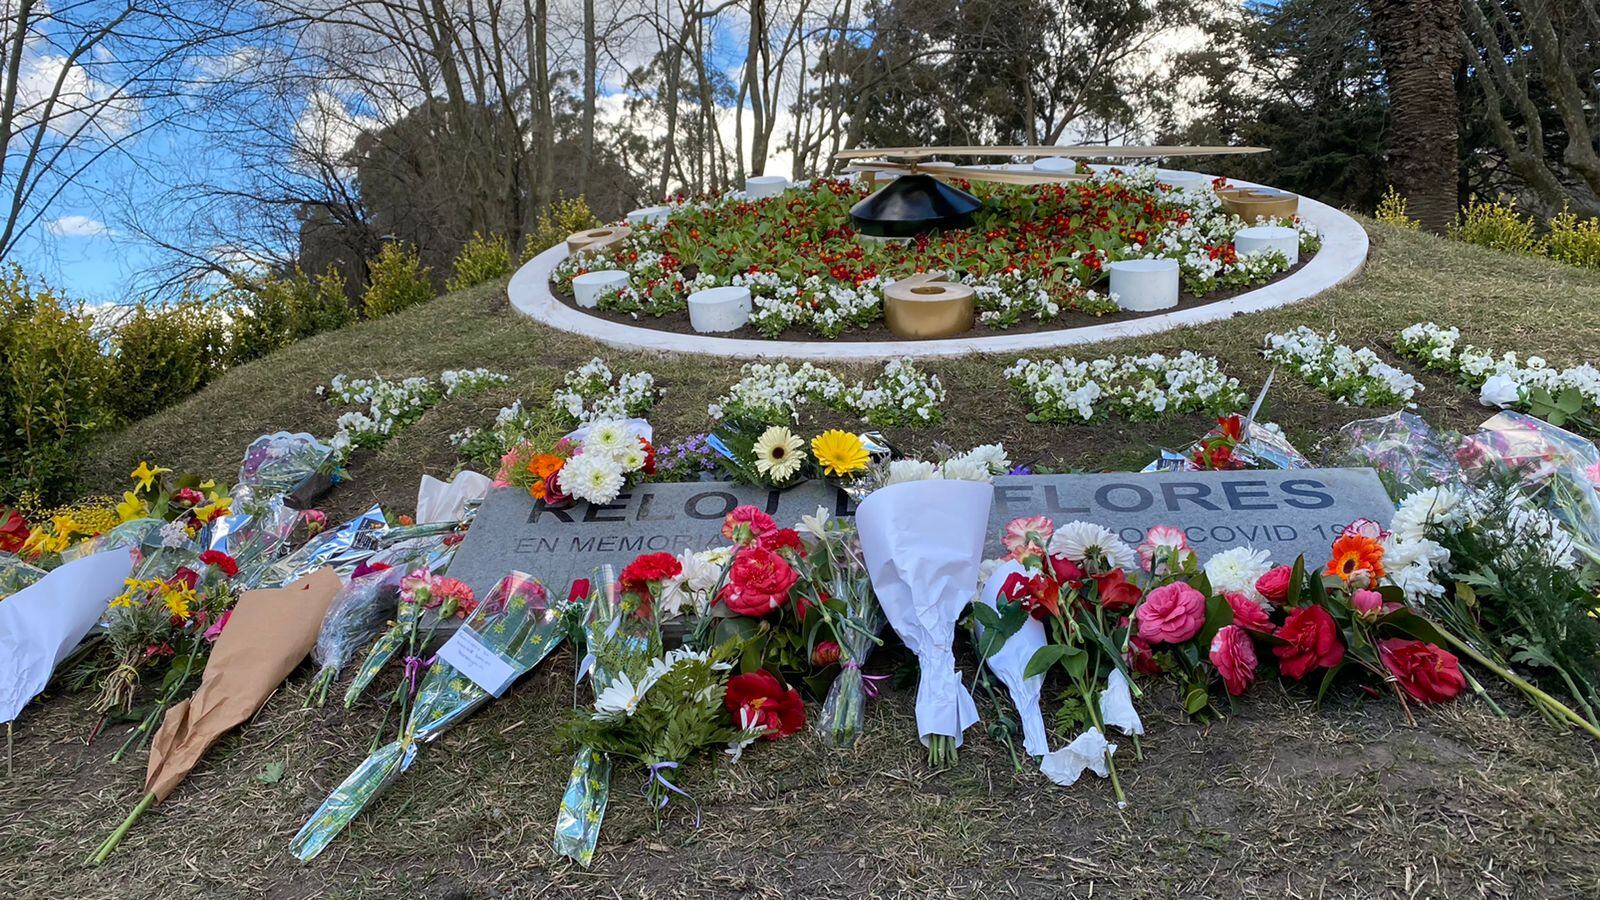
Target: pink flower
<point>1160,544</point>
<point>316,520</point>
<point>1594,474</point>
<point>1248,614</point>
<point>215,631</point>
<point>1366,528</point>
<point>1028,536</point>
<point>1275,585</point>
<point>1235,658</point>
<point>1367,604</point>
<point>1171,614</point>
<point>747,524</point>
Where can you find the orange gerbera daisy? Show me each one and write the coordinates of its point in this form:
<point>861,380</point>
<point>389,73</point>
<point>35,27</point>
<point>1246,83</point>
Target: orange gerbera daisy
<point>544,465</point>
<point>1355,554</point>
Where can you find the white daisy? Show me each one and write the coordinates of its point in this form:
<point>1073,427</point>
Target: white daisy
<point>619,699</point>
<point>779,453</point>
<point>1087,542</point>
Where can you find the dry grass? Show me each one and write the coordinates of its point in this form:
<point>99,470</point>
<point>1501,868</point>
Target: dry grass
<point>1280,800</point>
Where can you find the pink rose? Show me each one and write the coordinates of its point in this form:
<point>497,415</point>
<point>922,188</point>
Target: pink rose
<point>1248,614</point>
<point>1171,614</point>
<point>1275,585</point>
<point>1235,658</point>
<point>1367,604</point>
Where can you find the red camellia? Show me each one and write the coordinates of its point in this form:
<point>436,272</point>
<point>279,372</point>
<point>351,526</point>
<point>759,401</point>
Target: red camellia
<point>1039,595</point>
<point>758,582</point>
<point>1117,593</point>
<point>14,531</point>
<point>747,524</point>
<point>1429,673</point>
<point>1139,655</point>
<point>1235,658</point>
<point>782,539</point>
<point>1171,614</point>
<point>758,700</point>
<point>650,569</point>
<point>222,561</point>
<point>1248,614</point>
<point>1310,641</point>
<point>1275,585</point>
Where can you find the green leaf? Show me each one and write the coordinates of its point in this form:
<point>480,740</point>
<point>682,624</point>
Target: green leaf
<point>1047,656</point>
<point>271,773</point>
<point>986,615</point>
<point>1218,614</point>
<point>1196,699</point>
<point>1327,679</point>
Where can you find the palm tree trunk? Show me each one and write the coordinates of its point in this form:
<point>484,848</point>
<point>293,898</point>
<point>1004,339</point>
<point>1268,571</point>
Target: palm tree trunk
<point>1418,45</point>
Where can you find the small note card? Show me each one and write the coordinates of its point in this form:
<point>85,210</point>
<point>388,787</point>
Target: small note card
<point>486,667</point>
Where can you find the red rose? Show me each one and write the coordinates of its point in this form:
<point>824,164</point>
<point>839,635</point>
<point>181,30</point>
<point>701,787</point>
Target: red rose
<point>782,539</point>
<point>824,654</point>
<point>554,497</point>
<point>1117,593</point>
<point>13,531</point>
<point>188,497</point>
<point>1235,658</point>
<point>222,561</point>
<point>757,700</point>
<point>758,582</point>
<point>186,577</point>
<point>1069,573</point>
<point>651,568</point>
<point>746,524</point>
<point>1429,673</point>
<point>1248,614</point>
<point>1040,596</point>
<point>1275,585</point>
<point>1171,614</point>
<point>1310,641</point>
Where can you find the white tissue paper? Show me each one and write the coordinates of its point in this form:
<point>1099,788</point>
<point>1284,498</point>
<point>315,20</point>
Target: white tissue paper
<point>42,623</point>
<point>923,544</point>
<point>440,501</point>
<point>1116,705</point>
<point>1088,751</point>
<point>1011,660</point>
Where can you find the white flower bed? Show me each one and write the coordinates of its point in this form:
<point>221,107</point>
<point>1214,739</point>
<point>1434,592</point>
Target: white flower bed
<point>902,395</point>
<point>1137,387</point>
<point>1502,380</point>
<point>773,393</point>
<point>392,405</point>
<point>1353,377</point>
<point>592,391</point>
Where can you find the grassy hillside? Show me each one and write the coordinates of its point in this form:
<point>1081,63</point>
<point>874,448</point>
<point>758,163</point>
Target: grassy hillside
<point>1279,800</point>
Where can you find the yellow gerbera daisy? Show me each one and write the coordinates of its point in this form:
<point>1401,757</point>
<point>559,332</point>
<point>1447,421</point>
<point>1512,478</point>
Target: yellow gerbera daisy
<point>779,453</point>
<point>839,452</point>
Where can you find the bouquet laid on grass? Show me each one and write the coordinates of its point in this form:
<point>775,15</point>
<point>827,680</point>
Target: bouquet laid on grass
<point>834,581</point>
<point>340,548</point>
<point>359,613</point>
<point>514,623</point>
<point>776,456</point>
<point>420,592</point>
<point>594,463</point>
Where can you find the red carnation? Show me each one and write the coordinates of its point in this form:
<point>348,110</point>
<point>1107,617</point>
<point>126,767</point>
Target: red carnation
<point>1310,641</point>
<point>1235,658</point>
<point>758,582</point>
<point>1117,593</point>
<point>1275,585</point>
<point>651,568</point>
<point>188,497</point>
<point>222,561</point>
<point>1248,614</point>
<point>746,524</point>
<point>757,700</point>
<point>782,539</point>
<point>1427,672</point>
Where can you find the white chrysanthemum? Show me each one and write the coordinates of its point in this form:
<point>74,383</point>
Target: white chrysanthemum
<point>1087,542</point>
<point>991,455</point>
<point>689,588</point>
<point>1238,570</point>
<point>965,468</point>
<point>595,477</point>
<point>718,556</point>
<point>1425,509</point>
<point>631,459</point>
<point>910,470</point>
<point>608,437</point>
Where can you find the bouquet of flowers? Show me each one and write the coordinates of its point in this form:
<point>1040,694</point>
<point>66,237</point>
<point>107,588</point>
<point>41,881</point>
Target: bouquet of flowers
<point>1405,450</point>
<point>516,624</point>
<point>594,463</point>
<point>284,463</point>
<point>359,612</point>
<point>421,591</point>
<point>16,574</point>
<point>835,583</point>
<point>339,547</point>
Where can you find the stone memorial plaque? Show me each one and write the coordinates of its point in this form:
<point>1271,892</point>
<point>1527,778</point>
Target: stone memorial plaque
<point>1288,513</point>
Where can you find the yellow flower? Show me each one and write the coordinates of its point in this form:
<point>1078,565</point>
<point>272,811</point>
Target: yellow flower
<point>131,507</point>
<point>839,452</point>
<point>208,484</point>
<point>178,599</point>
<point>64,526</point>
<point>213,509</point>
<point>145,475</point>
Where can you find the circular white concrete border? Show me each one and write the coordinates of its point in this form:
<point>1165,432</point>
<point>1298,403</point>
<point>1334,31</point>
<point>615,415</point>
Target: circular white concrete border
<point>1343,253</point>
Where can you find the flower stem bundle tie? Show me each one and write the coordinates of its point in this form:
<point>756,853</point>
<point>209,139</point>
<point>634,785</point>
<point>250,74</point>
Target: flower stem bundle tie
<point>655,777</point>
<point>869,683</point>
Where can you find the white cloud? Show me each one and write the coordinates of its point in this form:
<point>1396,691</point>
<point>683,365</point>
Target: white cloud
<point>77,226</point>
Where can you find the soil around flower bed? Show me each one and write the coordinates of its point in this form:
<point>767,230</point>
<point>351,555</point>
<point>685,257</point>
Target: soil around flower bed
<point>678,322</point>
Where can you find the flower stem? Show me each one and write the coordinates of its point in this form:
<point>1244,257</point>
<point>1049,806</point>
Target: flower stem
<point>1527,687</point>
<point>122,831</point>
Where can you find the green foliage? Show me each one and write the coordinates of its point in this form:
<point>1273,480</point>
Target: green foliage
<point>1574,241</point>
<point>484,258</point>
<point>562,218</point>
<point>51,378</point>
<point>161,354</point>
<point>397,280</point>
<point>273,312</point>
<point>1392,211</point>
<point>1496,225</point>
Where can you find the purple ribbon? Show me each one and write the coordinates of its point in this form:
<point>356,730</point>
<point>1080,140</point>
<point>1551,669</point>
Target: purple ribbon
<point>868,682</point>
<point>656,777</point>
<point>413,667</point>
